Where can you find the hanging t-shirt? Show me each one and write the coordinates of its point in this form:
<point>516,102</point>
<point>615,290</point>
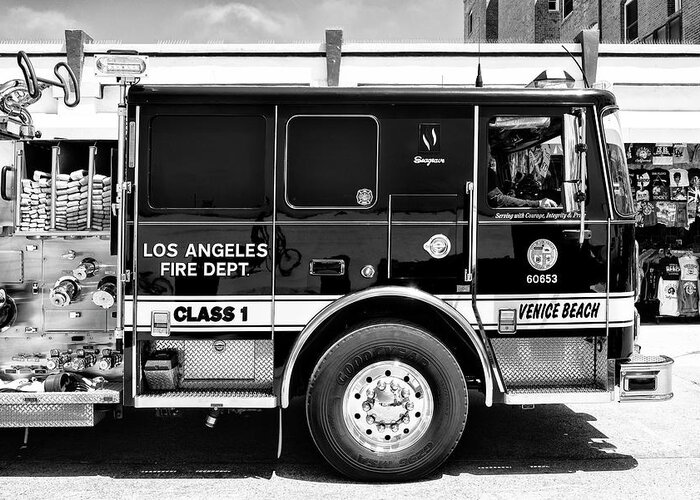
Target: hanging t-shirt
<point>680,154</point>
<point>660,185</point>
<point>648,213</point>
<point>689,268</point>
<point>694,179</point>
<point>682,215</point>
<point>666,213</point>
<point>693,153</point>
<point>663,154</point>
<point>693,194</point>
<point>650,284</point>
<point>643,186</point>
<point>642,153</point>
<point>678,177</point>
<point>688,298</point>
<point>668,286</point>
<point>688,287</point>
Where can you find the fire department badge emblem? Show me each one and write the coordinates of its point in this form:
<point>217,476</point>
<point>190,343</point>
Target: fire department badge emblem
<point>542,255</point>
<point>364,197</point>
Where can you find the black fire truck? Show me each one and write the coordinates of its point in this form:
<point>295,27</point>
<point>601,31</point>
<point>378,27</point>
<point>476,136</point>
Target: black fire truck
<point>384,253</point>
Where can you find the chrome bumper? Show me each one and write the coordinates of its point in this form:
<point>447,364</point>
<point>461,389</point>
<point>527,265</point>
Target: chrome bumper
<point>645,378</point>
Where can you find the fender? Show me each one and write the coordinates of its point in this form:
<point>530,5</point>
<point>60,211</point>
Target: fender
<point>388,291</point>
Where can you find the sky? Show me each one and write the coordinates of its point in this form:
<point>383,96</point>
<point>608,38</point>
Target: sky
<point>241,21</point>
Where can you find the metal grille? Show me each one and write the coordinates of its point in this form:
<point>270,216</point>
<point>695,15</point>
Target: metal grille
<point>47,415</point>
<point>552,362</point>
<point>228,364</point>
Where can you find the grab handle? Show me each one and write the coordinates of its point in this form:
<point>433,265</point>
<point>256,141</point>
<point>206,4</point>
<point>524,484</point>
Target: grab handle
<point>3,182</point>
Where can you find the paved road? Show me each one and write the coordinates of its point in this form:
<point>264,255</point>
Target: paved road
<point>575,451</point>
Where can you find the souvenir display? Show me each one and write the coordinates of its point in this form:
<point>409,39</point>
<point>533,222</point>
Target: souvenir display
<point>665,180</point>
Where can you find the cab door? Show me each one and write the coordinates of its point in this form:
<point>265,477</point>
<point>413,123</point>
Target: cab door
<point>202,248</point>
<point>541,270</point>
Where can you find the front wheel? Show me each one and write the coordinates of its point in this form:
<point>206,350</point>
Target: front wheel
<point>388,401</point>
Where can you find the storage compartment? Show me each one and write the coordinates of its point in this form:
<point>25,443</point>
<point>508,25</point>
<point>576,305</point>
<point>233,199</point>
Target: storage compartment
<point>64,186</point>
<point>217,364</point>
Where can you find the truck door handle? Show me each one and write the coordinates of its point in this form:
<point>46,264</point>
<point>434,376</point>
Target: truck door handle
<point>327,267</point>
<point>3,182</point>
<point>573,234</point>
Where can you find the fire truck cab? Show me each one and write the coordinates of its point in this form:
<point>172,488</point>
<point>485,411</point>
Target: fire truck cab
<point>385,253</point>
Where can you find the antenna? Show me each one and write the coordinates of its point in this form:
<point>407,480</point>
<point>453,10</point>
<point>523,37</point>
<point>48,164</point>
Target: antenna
<point>583,73</point>
<point>479,80</point>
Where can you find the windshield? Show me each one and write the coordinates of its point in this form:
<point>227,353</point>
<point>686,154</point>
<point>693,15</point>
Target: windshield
<point>622,191</point>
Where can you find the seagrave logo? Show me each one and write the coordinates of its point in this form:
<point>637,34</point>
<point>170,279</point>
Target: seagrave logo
<point>419,160</point>
<point>429,138</point>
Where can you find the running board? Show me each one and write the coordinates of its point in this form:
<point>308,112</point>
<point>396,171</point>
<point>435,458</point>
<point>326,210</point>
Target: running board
<point>207,399</point>
<point>557,395</point>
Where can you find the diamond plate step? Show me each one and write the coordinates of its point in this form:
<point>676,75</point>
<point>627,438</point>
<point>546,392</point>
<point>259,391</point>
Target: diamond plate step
<point>207,399</point>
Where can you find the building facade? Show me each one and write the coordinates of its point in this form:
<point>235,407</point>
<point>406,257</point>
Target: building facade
<point>515,21</point>
<point>618,21</point>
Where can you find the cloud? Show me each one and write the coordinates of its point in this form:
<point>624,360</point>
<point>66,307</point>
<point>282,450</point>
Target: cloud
<point>223,15</point>
<point>24,22</point>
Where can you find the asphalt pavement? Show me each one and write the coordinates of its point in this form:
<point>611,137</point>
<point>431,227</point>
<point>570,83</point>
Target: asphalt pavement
<point>632,450</point>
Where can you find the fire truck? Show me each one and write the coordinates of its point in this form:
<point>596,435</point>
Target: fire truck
<point>391,255</point>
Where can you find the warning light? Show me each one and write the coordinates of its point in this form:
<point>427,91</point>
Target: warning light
<point>120,65</point>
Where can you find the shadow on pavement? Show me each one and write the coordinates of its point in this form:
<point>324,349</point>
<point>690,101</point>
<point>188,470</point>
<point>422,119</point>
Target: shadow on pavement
<point>498,440</point>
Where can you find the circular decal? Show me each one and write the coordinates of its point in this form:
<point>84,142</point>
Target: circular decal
<point>690,288</point>
<point>364,197</point>
<point>542,255</point>
<point>219,345</point>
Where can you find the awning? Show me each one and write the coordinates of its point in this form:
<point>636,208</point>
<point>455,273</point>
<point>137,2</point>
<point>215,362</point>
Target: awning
<point>661,126</point>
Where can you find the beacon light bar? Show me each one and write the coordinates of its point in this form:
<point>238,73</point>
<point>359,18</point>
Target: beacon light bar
<point>120,65</point>
<point>553,79</point>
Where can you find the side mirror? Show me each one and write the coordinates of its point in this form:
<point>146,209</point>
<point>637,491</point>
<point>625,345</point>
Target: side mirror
<point>575,149</point>
<point>574,160</point>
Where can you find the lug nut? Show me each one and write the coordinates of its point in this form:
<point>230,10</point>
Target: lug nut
<point>394,427</point>
<point>381,427</point>
<point>381,385</point>
<point>370,394</point>
<point>409,406</point>
<point>406,419</point>
<point>404,392</point>
<point>394,386</point>
<point>370,419</point>
<point>366,406</point>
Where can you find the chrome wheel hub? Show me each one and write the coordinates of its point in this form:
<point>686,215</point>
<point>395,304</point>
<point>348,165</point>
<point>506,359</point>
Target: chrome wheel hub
<point>388,406</point>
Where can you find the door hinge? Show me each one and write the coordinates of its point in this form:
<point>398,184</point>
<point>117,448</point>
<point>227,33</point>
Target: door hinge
<point>126,277</point>
<point>468,277</point>
<point>126,187</point>
<point>469,187</point>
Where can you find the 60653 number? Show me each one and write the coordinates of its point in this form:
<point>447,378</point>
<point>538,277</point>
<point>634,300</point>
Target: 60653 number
<point>541,278</point>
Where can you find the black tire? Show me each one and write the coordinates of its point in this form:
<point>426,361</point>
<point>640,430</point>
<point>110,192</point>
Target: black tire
<point>360,350</point>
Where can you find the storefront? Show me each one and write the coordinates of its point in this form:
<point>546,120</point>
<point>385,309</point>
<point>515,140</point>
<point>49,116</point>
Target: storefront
<point>665,179</point>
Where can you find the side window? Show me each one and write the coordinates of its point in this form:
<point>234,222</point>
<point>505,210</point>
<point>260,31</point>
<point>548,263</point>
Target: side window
<point>526,159</point>
<point>331,162</point>
<point>207,162</point>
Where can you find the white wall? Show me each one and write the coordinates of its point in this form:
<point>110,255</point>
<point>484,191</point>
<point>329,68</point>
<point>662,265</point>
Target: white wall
<point>657,86</point>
